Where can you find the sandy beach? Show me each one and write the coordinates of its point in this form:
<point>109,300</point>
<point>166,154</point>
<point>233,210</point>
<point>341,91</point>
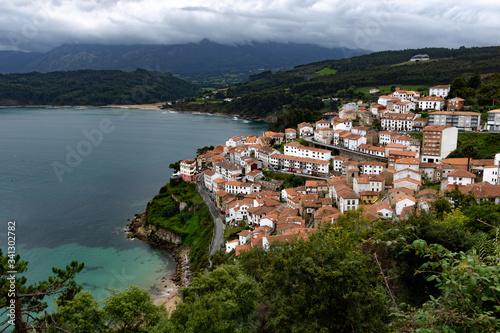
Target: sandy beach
<point>138,106</point>
<point>166,294</point>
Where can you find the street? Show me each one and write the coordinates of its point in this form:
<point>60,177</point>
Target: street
<point>218,225</point>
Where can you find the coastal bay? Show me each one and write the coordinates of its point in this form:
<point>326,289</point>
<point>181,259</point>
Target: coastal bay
<point>71,189</point>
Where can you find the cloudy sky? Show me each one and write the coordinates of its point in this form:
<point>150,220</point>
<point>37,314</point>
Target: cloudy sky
<point>40,25</point>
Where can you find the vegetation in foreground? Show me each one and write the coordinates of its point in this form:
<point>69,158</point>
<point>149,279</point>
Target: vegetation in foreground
<point>437,272</point>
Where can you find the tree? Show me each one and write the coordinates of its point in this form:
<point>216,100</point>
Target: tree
<point>203,150</point>
<point>132,310</point>
<point>82,314</point>
<point>470,298</point>
<point>28,301</point>
<point>327,283</point>
<point>474,81</point>
<point>458,83</point>
<point>221,301</point>
<point>469,151</point>
<point>176,166</point>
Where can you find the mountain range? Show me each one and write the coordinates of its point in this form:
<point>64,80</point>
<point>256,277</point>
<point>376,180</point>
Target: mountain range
<point>193,61</point>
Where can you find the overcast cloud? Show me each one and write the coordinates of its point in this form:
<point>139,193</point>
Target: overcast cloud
<point>40,25</point>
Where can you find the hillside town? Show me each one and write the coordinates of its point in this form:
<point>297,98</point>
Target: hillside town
<point>386,173</point>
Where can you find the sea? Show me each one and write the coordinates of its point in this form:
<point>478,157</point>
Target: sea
<point>72,177</point>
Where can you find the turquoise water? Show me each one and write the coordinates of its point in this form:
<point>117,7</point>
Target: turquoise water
<point>71,177</point>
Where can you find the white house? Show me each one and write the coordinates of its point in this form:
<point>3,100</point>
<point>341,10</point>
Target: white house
<point>235,187</point>
<point>347,199</point>
<point>372,167</point>
<point>440,91</point>
<point>322,124</point>
<point>408,183</point>
<point>238,211</point>
<point>401,122</point>
<point>403,201</point>
<point>296,149</point>
<point>324,135</point>
<point>290,134</point>
<point>490,174</point>
<point>408,173</point>
<point>305,129</point>
<point>209,177</point>
<point>231,245</point>
<point>493,122</point>
<point>234,141</point>
<point>431,103</point>
<point>460,177</point>
<point>404,106</point>
<point>229,171</point>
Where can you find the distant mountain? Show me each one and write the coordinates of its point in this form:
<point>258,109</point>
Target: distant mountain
<point>195,61</point>
<point>15,61</point>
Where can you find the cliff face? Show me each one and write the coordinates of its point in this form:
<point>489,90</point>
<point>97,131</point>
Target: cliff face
<point>164,239</point>
<point>153,235</point>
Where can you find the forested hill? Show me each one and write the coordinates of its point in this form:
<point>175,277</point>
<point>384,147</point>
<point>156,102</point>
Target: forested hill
<point>304,86</point>
<point>91,87</point>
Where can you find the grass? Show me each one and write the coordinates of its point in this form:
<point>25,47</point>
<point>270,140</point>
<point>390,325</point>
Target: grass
<point>387,89</point>
<point>327,71</point>
<point>194,224</point>
<point>412,63</point>
<point>486,144</point>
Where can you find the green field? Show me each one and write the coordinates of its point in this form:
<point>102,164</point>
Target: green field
<point>412,63</point>
<point>327,71</point>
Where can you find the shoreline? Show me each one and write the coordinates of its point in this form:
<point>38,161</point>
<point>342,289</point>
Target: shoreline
<point>158,106</point>
<point>166,290</point>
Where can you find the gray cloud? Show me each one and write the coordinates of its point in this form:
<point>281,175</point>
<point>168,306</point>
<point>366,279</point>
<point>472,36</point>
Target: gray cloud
<point>38,25</point>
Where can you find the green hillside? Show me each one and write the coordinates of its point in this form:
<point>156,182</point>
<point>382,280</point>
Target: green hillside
<point>92,87</point>
<point>305,86</point>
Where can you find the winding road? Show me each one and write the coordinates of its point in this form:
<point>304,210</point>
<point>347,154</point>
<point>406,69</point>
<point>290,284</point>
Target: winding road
<point>219,226</point>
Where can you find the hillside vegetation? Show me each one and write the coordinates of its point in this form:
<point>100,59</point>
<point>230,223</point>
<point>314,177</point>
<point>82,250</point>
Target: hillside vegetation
<point>194,223</point>
<point>92,87</point>
<point>305,86</point>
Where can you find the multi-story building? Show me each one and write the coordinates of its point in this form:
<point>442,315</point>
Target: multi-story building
<point>229,171</point>
<point>493,123</point>
<point>291,134</point>
<point>463,120</point>
<point>296,149</point>
<point>263,154</point>
<point>404,106</point>
<point>438,142</point>
<point>397,121</point>
<point>324,135</point>
<point>455,103</point>
<point>188,170</point>
<point>372,167</point>
<point>302,164</point>
<point>440,91</point>
<point>431,103</point>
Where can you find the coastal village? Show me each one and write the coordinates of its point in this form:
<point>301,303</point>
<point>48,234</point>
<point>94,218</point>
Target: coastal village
<point>386,173</point>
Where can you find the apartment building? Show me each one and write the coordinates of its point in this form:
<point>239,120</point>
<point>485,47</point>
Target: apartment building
<point>470,121</point>
<point>438,142</point>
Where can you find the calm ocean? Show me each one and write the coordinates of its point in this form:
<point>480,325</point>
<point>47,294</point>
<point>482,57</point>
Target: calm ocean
<point>71,177</point>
